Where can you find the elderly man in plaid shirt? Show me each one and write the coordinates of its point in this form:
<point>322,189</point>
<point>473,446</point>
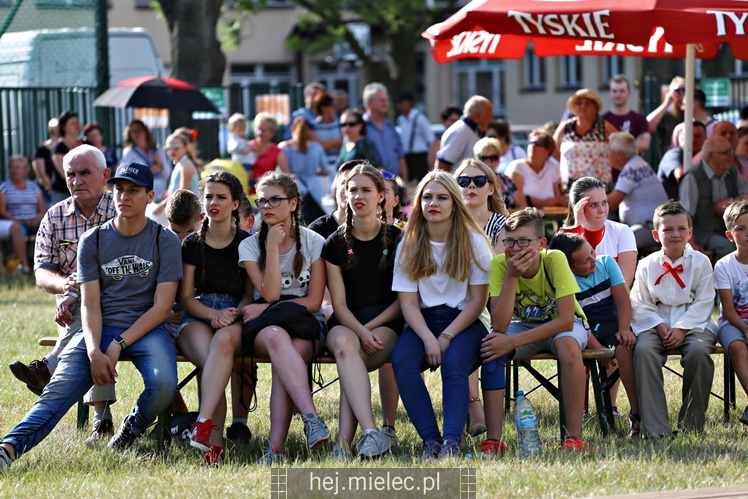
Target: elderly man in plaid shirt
<point>55,266</point>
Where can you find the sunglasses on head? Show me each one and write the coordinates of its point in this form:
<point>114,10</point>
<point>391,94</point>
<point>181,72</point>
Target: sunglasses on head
<point>349,124</point>
<point>479,180</point>
<point>387,174</point>
<point>490,157</point>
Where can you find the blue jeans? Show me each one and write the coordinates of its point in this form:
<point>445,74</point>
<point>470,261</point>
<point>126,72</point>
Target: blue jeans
<point>461,358</point>
<point>154,355</point>
<point>217,301</point>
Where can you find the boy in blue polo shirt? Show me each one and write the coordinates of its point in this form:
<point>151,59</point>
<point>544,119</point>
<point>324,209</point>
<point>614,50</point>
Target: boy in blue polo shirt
<point>605,300</point>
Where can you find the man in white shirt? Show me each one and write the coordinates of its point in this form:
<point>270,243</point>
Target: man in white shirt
<point>458,141</point>
<point>419,143</point>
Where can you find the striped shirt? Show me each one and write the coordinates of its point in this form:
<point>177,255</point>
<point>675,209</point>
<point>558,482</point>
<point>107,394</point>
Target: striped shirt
<point>494,226</point>
<point>60,230</point>
<point>595,296</point>
<point>21,204</point>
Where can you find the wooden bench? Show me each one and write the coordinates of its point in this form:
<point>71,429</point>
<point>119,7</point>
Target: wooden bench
<point>163,422</point>
<point>602,383</point>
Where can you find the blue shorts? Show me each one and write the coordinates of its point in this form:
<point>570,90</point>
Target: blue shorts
<point>493,375</point>
<point>216,301</point>
<point>728,333</point>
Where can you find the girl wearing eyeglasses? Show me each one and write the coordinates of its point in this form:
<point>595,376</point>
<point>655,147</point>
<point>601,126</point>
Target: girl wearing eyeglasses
<point>483,197</point>
<point>185,174</point>
<point>355,143</point>
<point>489,151</point>
<point>283,262</point>
<point>442,276</point>
<point>538,176</point>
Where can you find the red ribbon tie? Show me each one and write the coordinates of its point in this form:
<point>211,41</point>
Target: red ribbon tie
<point>674,271</point>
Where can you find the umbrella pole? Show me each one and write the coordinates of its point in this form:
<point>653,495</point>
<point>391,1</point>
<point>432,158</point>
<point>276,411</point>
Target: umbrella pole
<point>688,118</point>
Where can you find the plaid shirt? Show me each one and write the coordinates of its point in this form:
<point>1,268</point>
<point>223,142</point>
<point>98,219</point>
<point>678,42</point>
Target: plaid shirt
<point>60,230</point>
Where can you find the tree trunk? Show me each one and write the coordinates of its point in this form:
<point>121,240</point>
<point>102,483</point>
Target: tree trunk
<point>196,57</point>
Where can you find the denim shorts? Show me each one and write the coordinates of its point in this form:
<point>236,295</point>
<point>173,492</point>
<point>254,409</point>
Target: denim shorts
<point>216,301</point>
<point>579,332</point>
<point>729,333</point>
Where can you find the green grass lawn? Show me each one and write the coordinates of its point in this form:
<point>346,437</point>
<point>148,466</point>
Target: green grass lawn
<point>63,466</point>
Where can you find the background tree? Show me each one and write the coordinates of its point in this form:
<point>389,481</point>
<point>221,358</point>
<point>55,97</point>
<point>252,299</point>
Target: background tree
<point>396,27</point>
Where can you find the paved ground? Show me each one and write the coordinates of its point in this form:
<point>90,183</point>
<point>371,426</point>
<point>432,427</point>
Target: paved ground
<point>732,492</point>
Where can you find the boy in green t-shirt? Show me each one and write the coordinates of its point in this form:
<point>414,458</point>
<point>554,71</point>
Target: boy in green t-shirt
<point>533,309</point>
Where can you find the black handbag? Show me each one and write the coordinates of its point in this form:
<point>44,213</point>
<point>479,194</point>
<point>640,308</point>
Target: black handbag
<point>291,316</point>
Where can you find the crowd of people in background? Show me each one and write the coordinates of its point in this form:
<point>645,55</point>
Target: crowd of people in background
<point>396,250</point>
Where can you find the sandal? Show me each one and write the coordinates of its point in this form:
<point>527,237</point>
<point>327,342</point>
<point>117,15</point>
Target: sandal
<point>476,426</point>
<point>635,421</point>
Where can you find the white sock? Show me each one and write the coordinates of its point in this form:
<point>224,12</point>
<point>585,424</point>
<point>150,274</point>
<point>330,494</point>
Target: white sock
<point>240,420</point>
<point>101,413</point>
<point>366,432</point>
<point>201,420</point>
<point>51,363</point>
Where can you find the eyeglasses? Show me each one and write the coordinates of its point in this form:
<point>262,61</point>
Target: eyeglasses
<point>491,157</point>
<point>536,143</point>
<point>523,242</point>
<point>273,202</point>
<point>136,131</point>
<point>350,124</point>
<point>728,152</point>
<point>680,90</point>
<point>174,147</point>
<point>479,180</point>
<point>387,175</point>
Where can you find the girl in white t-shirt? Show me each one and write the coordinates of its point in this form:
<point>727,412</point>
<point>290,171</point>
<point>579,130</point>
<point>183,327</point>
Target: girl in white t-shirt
<point>441,275</point>
<point>282,260</point>
<point>588,216</point>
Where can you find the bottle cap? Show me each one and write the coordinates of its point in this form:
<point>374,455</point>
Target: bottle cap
<point>520,393</point>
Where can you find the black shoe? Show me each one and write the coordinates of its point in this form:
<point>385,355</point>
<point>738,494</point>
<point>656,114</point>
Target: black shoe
<point>36,375</point>
<point>238,432</point>
<point>124,438</point>
<point>102,429</point>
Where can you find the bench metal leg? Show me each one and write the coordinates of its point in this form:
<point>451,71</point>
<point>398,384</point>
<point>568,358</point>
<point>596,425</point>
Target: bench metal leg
<point>163,429</point>
<point>559,396</point>
<point>597,393</point>
<point>82,415</point>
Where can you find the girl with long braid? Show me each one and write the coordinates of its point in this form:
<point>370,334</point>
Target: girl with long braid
<point>367,320</point>
<point>441,275</point>
<point>283,262</point>
<point>214,288</point>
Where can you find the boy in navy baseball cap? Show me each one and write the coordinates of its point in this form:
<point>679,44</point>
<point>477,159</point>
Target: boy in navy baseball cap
<point>137,173</point>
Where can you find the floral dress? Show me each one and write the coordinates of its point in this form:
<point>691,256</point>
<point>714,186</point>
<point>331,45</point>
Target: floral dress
<point>585,155</point>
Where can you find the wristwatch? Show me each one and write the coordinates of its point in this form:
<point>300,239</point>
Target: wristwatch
<point>120,341</point>
<point>73,294</point>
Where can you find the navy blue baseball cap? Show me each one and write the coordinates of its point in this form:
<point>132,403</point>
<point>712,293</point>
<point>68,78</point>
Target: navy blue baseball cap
<point>137,173</point>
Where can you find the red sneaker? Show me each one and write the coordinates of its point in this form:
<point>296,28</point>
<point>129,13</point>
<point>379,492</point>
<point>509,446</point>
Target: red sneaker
<point>200,434</point>
<point>493,448</point>
<point>574,444</point>
<point>214,457</point>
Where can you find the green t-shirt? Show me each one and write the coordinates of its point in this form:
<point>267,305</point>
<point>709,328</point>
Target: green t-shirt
<point>535,300</point>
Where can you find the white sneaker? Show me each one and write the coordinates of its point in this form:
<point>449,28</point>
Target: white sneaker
<point>341,454</point>
<point>373,444</point>
<point>389,432</point>
<point>5,460</point>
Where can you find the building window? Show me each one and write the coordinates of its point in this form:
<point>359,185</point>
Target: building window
<point>250,80</point>
<point>63,4</point>
<point>741,68</point>
<point>571,72</point>
<point>480,77</point>
<point>612,66</point>
<point>338,77</point>
<point>533,68</point>
<point>143,4</point>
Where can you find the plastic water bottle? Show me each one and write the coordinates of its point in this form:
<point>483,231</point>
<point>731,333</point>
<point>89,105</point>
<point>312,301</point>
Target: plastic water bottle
<point>527,426</point>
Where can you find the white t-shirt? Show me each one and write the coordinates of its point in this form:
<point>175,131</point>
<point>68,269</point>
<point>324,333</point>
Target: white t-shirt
<point>293,285</point>
<point>618,238</point>
<point>457,143</point>
<point>730,274</point>
<point>438,288</point>
<point>537,184</point>
<point>235,145</point>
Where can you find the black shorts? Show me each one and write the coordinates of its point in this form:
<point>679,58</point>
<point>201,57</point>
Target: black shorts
<point>605,332</point>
